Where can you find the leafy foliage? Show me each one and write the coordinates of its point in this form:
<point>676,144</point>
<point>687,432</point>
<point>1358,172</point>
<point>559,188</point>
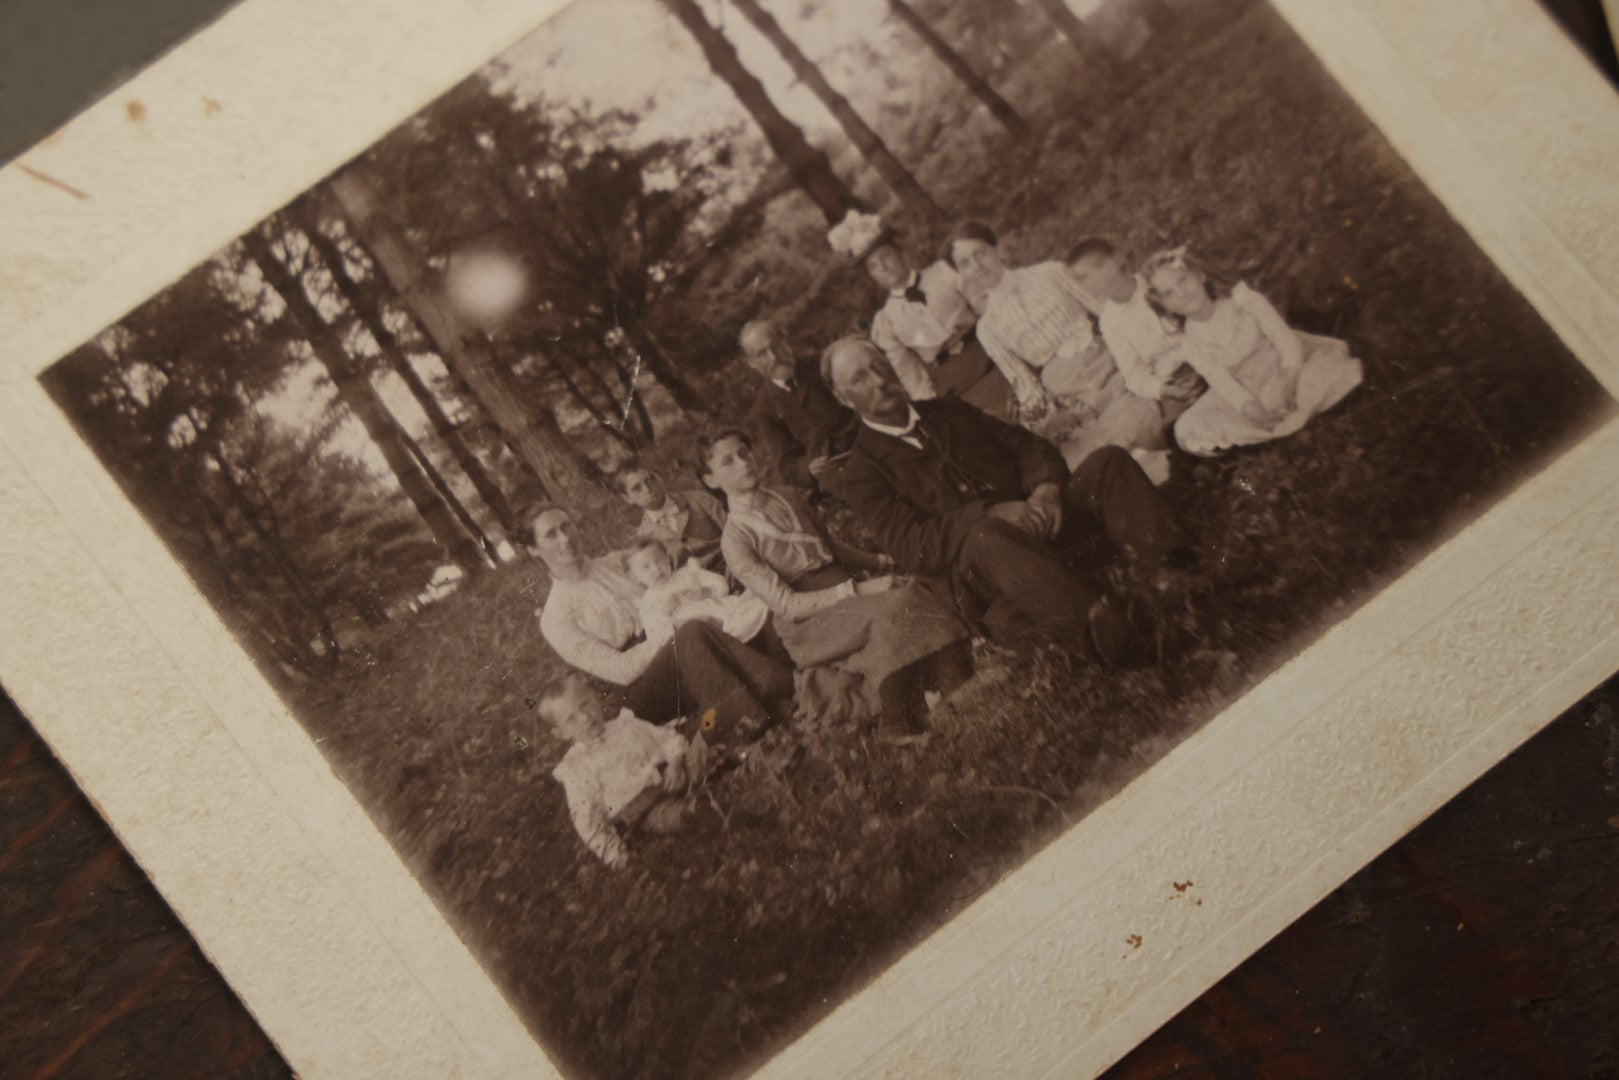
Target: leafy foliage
<point>829,851</point>
<point>605,229</point>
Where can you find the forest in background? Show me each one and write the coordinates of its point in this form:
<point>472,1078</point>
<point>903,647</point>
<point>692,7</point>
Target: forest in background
<point>329,440</point>
<point>318,433</point>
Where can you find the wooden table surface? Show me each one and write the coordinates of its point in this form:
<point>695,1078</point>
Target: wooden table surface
<point>1484,944</point>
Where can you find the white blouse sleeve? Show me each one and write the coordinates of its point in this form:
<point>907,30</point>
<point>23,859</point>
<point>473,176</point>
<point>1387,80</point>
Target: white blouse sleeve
<point>1139,377</point>
<point>912,372</point>
<point>1026,386</point>
<point>1272,325</point>
<point>657,612</point>
<point>759,577</point>
<point>560,627</point>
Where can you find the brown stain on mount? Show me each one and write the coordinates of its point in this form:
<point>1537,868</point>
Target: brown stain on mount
<point>51,181</point>
<point>136,112</point>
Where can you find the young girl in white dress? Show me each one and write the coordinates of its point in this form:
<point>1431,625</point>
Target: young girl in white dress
<point>1266,380</point>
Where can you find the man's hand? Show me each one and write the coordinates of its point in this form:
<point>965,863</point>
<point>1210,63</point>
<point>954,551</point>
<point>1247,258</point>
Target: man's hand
<point>817,465</point>
<point>1046,501</point>
<point>1021,515</point>
<point>872,586</point>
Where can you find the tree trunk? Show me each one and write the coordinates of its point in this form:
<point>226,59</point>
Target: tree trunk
<point>1157,14</point>
<point>536,439</point>
<point>505,357</point>
<point>370,314</point>
<point>447,493</point>
<point>603,416</point>
<point>262,604</point>
<point>646,348</point>
<point>1093,55</point>
<point>638,410</point>
<point>868,142</point>
<point>665,372</point>
<point>366,404</point>
<point>809,167</point>
<point>975,83</point>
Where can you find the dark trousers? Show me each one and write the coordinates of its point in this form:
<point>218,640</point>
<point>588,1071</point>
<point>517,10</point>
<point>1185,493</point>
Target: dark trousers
<point>1021,585</point>
<point>705,669</point>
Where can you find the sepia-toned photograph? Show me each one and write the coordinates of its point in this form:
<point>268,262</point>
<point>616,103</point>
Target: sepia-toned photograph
<point>731,480</point>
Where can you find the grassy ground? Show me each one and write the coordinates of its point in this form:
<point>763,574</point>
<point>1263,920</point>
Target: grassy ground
<point>829,853</point>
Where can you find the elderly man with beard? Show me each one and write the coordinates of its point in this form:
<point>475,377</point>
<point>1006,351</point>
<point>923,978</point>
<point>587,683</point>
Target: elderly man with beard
<point>950,492</point>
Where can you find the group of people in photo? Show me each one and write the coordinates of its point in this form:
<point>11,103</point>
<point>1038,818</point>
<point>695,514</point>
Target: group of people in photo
<point>1000,434</point>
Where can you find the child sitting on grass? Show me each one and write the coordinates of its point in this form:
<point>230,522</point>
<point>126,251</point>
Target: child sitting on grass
<point>1146,347</point>
<point>674,597</point>
<point>1266,380</point>
<point>618,774</point>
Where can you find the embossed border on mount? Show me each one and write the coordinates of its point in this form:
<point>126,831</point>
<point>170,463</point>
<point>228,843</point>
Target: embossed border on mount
<point>302,904</point>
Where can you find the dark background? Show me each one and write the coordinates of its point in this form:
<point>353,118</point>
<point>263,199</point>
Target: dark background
<point>59,56</point>
<point>1484,944</point>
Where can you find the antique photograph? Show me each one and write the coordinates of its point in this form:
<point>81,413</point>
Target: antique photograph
<point>731,480</point>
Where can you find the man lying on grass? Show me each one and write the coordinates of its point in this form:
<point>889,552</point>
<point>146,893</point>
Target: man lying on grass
<point>950,492</point>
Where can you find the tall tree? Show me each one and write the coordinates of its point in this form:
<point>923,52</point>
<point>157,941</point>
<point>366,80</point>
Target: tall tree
<point>1157,14</point>
<point>603,226</point>
<point>866,140</point>
<point>533,434</point>
<point>156,398</point>
<point>355,390</point>
<point>280,531</point>
<point>600,241</point>
<point>975,83</point>
<point>436,477</point>
<point>1093,55</point>
<point>809,167</point>
<point>367,307</point>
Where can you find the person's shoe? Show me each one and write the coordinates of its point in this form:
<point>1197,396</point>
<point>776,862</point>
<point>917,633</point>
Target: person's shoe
<point>1179,574</point>
<point>905,722</point>
<point>1186,558</point>
<point>749,728</point>
<point>1116,636</point>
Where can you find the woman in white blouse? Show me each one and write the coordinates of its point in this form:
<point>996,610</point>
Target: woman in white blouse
<point>590,620</point>
<point>1037,326</point>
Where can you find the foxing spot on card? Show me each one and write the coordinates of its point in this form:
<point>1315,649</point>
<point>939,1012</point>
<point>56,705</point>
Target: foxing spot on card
<point>728,483</point>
